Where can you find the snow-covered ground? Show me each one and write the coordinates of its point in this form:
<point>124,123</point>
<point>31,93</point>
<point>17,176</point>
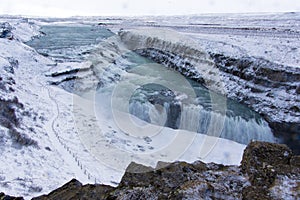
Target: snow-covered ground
<point>25,170</point>
<point>72,141</point>
<point>272,36</point>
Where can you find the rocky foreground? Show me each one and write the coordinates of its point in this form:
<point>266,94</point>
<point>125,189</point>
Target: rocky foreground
<point>267,171</point>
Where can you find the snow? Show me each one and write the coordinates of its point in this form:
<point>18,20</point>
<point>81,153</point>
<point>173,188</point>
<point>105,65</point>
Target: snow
<point>130,143</point>
<point>75,140</point>
<point>30,167</point>
<point>24,29</point>
<point>285,187</point>
<point>68,66</point>
<point>278,49</point>
<point>272,36</point>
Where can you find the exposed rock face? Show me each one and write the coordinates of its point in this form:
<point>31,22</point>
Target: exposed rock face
<point>7,197</point>
<point>181,180</point>
<point>266,82</point>
<point>5,30</point>
<point>266,165</point>
<point>73,77</point>
<point>261,164</point>
<point>289,132</point>
<point>268,171</point>
<point>75,190</point>
<point>11,109</point>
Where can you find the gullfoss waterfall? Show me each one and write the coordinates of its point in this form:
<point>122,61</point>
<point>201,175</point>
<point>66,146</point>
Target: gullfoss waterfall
<point>144,111</point>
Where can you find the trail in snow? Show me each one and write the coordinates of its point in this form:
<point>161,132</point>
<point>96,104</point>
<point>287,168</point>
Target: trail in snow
<point>61,147</point>
<point>80,171</point>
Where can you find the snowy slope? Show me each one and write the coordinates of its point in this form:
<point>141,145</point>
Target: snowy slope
<point>26,169</point>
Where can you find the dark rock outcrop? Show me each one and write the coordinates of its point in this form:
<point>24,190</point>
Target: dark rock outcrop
<point>289,133</point>
<point>75,190</point>
<point>6,30</point>
<point>265,164</point>
<point>263,161</point>
<point>267,171</point>
<point>11,109</point>
<point>181,180</point>
<point>7,197</point>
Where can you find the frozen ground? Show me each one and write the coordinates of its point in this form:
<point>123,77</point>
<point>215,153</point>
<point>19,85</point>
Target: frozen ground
<point>273,36</point>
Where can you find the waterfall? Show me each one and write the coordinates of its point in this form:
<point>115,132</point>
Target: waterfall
<point>208,113</point>
<point>198,119</point>
<point>190,118</point>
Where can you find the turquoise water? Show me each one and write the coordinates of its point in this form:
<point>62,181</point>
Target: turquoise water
<point>69,42</point>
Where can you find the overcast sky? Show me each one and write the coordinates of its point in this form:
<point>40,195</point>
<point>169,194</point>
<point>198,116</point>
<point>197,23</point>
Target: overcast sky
<point>63,8</point>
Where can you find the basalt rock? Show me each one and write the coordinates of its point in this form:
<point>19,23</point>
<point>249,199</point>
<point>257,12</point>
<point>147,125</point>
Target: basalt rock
<point>266,164</point>
<point>6,30</point>
<point>7,197</point>
<point>75,190</point>
<point>289,133</point>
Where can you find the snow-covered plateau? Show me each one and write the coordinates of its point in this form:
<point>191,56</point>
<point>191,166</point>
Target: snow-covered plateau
<point>65,107</point>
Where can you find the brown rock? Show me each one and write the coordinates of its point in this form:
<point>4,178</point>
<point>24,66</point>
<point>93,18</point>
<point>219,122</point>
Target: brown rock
<point>295,161</point>
<point>75,190</point>
<point>7,197</point>
<point>255,193</point>
<point>262,161</point>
